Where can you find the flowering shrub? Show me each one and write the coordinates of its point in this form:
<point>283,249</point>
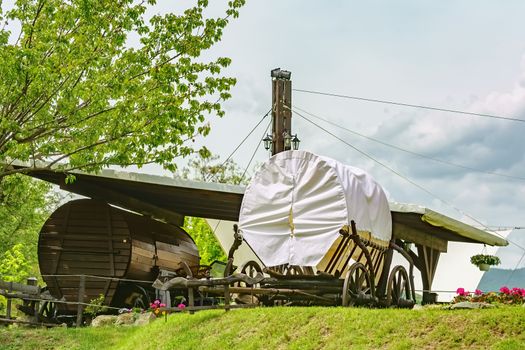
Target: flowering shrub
<point>505,296</point>
<point>155,307</point>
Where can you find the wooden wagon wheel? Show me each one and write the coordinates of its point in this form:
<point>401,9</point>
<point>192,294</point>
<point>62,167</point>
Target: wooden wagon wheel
<point>250,269</point>
<point>140,298</point>
<point>398,288</point>
<point>357,284</point>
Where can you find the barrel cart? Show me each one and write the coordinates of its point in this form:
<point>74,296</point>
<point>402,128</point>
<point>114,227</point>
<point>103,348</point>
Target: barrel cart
<point>88,248</point>
<point>323,233</point>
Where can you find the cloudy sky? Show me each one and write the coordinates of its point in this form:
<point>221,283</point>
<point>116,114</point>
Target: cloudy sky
<point>465,55</point>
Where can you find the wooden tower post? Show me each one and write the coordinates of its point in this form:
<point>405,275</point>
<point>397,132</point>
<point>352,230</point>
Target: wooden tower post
<point>281,110</point>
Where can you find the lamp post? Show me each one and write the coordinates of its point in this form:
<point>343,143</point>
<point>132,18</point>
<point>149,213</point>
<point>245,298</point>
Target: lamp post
<point>281,138</point>
<point>281,109</point>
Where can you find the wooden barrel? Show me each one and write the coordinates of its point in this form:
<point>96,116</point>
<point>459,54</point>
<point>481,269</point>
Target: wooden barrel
<point>90,237</point>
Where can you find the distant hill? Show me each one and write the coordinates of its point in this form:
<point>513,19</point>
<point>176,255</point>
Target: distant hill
<point>494,279</point>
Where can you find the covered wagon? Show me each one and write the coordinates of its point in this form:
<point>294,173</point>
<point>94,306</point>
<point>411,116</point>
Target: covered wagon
<point>323,230</point>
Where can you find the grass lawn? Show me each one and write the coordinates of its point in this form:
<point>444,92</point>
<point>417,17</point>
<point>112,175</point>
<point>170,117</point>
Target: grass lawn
<point>294,328</point>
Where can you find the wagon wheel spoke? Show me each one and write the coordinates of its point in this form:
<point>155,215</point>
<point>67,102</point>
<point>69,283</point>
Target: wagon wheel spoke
<point>399,284</point>
<point>293,270</point>
<point>402,286</point>
<point>353,282</point>
<point>395,289</point>
<point>361,283</point>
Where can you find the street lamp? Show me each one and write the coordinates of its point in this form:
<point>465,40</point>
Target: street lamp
<point>295,142</point>
<point>267,142</point>
<point>289,141</point>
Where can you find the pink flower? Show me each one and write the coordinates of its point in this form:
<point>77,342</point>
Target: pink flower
<point>462,292</point>
<point>504,290</point>
<point>156,302</point>
<point>181,306</point>
<point>478,292</point>
<point>162,305</point>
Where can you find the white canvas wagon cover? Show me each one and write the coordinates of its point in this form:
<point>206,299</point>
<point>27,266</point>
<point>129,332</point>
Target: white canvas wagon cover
<point>297,202</point>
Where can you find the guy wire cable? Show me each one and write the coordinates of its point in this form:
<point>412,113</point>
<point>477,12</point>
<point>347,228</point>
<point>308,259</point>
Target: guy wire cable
<point>408,151</point>
<point>247,166</point>
<point>240,144</point>
<point>255,151</point>
<point>456,111</point>
<point>402,176</point>
<point>491,228</point>
<point>515,268</point>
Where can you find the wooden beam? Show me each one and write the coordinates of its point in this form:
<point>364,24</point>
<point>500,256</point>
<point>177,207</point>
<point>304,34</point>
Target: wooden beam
<point>281,112</point>
<point>406,233</point>
<point>426,261</point>
<point>19,287</point>
<point>126,201</point>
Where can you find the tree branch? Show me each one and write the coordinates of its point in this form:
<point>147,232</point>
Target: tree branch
<point>38,11</point>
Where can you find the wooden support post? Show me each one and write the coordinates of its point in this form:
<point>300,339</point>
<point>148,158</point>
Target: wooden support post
<point>281,109</point>
<point>32,281</point>
<point>37,311</point>
<point>227,298</point>
<point>167,298</point>
<point>426,261</point>
<point>191,301</point>
<point>8,306</point>
<point>81,292</point>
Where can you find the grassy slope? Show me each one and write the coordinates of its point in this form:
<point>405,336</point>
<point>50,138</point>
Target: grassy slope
<point>295,328</point>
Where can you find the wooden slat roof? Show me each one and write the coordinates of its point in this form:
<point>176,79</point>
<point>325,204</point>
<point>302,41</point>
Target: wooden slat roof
<point>171,199</point>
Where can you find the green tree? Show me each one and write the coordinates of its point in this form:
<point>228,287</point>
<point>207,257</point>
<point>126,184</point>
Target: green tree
<point>90,83</point>
<point>14,266</point>
<point>25,204</point>
<point>209,248</point>
<point>208,168</point>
